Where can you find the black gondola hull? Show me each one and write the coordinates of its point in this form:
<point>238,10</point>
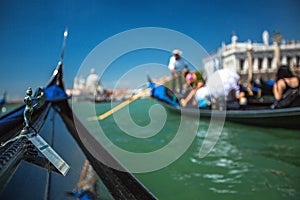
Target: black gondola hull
<point>287,118</point>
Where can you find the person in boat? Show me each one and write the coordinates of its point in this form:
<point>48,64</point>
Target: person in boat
<point>192,79</point>
<point>204,98</point>
<point>266,87</point>
<point>237,97</point>
<point>225,87</point>
<point>178,67</point>
<point>286,88</point>
<point>229,91</point>
<point>195,84</point>
<point>296,70</point>
<point>242,95</point>
<point>200,92</point>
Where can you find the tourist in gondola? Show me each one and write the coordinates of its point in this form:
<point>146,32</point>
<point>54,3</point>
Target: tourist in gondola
<point>296,70</point>
<point>286,88</point>
<point>178,67</point>
<point>194,83</point>
<point>242,95</point>
<point>204,98</point>
<point>225,87</point>
<point>237,97</point>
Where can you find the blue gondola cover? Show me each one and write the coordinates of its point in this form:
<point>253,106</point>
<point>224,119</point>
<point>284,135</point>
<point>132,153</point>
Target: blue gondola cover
<point>55,93</point>
<point>164,94</point>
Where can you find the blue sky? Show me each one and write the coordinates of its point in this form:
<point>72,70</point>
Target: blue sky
<point>31,31</point>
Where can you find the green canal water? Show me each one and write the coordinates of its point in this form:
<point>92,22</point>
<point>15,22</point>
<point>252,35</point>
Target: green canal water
<point>246,163</point>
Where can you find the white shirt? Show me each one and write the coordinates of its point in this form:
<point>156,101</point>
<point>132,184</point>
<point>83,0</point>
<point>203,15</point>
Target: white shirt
<point>221,82</point>
<point>178,65</point>
<point>202,93</point>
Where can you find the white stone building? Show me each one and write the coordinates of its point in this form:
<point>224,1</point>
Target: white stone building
<point>239,55</point>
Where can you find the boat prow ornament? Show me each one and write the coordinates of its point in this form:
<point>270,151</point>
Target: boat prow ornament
<point>31,103</point>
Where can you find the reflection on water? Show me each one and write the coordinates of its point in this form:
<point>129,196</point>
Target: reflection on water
<point>226,162</point>
<point>248,162</point>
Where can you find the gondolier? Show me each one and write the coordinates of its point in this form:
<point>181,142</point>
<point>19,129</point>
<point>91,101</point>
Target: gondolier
<point>178,66</point>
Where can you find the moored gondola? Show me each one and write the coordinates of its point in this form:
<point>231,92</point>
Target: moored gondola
<point>59,126</point>
<point>257,114</point>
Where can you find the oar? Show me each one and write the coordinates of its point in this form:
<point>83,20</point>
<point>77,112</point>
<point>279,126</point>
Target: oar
<point>120,106</point>
<point>128,101</point>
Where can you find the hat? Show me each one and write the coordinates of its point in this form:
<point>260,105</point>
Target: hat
<point>177,52</point>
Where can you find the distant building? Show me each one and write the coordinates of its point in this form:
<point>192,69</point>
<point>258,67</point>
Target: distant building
<point>263,57</point>
<point>93,83</point>
<point>89,88</point>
